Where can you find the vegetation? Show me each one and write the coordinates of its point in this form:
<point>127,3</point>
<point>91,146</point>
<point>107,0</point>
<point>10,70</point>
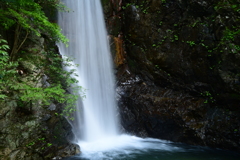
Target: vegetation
<point>27,16</point>
<point>22,69</point>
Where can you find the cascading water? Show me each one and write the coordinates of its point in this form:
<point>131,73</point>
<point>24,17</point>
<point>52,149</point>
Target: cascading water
<point>84,27</point>
<point>96,124</point>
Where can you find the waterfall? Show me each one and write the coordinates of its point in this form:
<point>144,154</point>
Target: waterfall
<point>84,26</point>
<point>96,124</point>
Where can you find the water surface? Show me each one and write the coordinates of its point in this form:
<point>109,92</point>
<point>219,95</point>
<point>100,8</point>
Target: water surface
<point>127,147</point>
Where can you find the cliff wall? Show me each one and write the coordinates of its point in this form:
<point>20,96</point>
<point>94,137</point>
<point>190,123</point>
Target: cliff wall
<point>178,69</point>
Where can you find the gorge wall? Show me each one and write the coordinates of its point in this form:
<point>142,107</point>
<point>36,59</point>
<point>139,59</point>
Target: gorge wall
<point>32,130</point>
<point>178,78</point>
<point>178,70</point>
<point>35,98</point>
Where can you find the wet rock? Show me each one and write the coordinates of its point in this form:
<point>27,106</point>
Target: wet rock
<point>180,80</point>
<point>176,115</point>
<point>30,131</point>
<point>70,150</point>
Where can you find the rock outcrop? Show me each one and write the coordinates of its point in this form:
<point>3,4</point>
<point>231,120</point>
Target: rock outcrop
<point>31,130</point>
<point>179,78</point>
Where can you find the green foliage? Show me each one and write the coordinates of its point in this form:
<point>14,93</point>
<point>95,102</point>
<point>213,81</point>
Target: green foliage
<point>231,31</point>
<point>229,4</point>
<point>7,70</point>
<point>49,144</point>
<point>176,37</point>
<point>195,23</point>
<point>127,5</point>
<point>29,15</point>
<point>209,97</point>
<point>163,1</point>
<point>65,79</point>
<point>30,144</point>
<point>28,18</point>
<point>141,7</point>
<point>230,34</point>
<point>191,43</point>
<point>40,141</point>
<point>26,89</point>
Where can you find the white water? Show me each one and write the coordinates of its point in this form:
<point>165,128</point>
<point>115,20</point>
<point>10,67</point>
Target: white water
<point>85,28</point>
<point>96,124</point>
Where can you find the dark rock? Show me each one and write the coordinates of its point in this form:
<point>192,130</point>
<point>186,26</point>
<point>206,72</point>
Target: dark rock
<point>70,150</point>
<point>30,131</point>
<point>181,77</point>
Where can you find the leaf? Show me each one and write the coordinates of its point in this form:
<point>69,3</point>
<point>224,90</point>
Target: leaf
<point>2,96</point>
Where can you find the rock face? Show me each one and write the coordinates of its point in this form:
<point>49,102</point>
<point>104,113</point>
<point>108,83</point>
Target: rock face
<point>179,76</point>
<point>34,132</point>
